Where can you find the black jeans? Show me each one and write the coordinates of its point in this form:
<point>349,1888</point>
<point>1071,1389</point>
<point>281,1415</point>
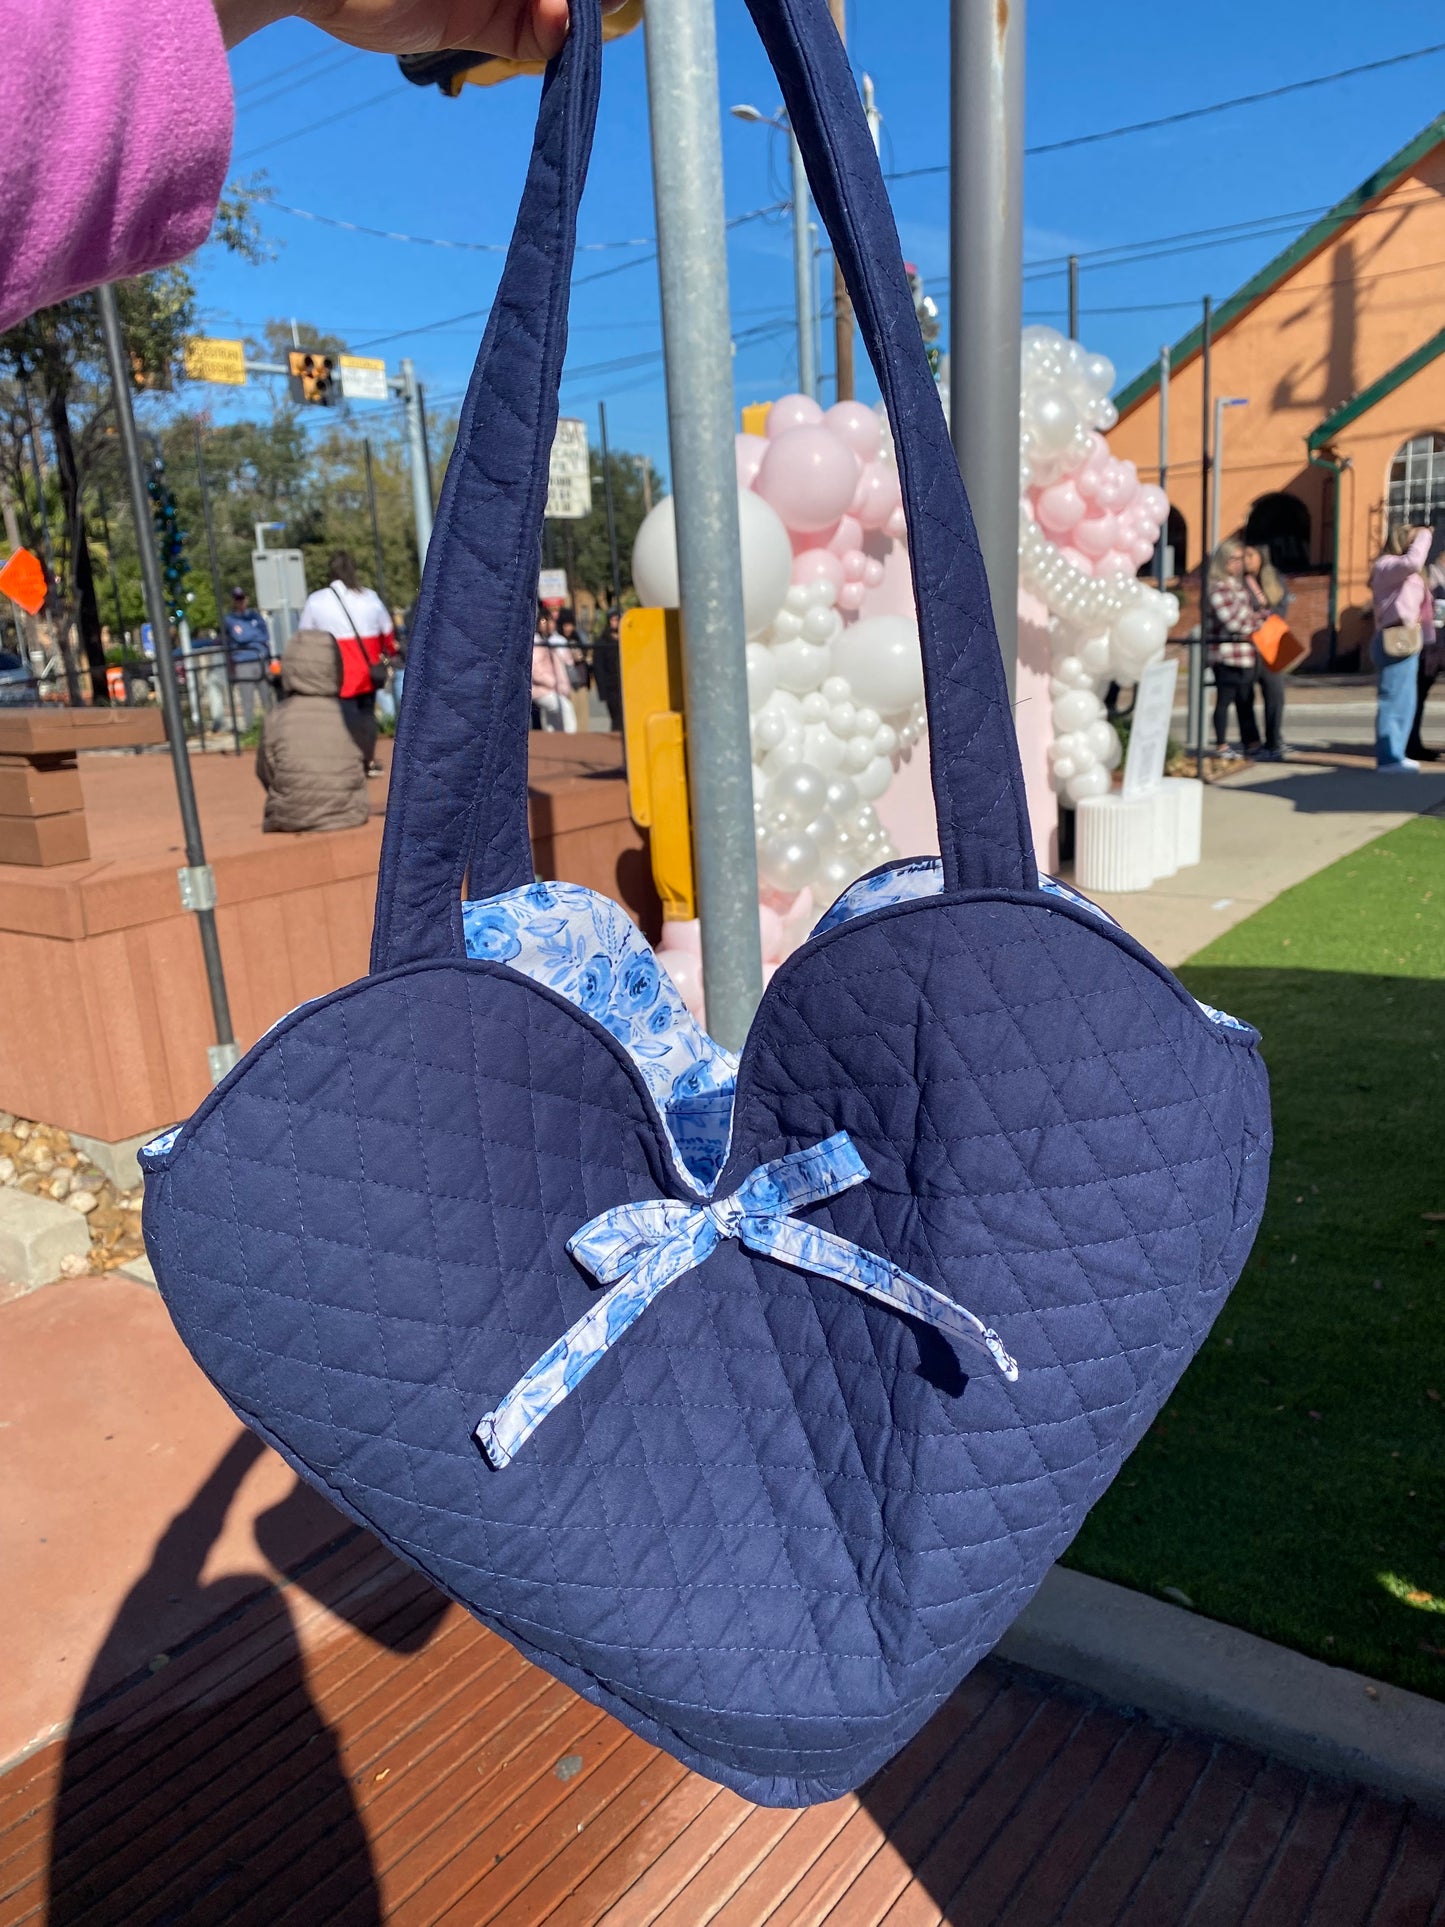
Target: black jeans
<point>1232,685</point>
<point>1271,687</point>
<point>1424,683</point>
<point>360,714</point>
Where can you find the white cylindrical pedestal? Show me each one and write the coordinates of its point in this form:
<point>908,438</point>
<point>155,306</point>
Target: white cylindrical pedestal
<point>1114,843</point>
<point>1185,796</point>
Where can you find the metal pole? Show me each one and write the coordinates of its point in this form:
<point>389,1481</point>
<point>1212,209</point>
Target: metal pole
<point>416,454</point>
<point>198,884</point>
<point>611,508</point>
<point>222,642</point>
<point>375,522</point>
<point>986,261</point>
<point>803,271</point>
<point>1162,558</point>
<point>1073,297</point>
<point>1217,466</point>
<point>843,324</point>
<point>431,487</point>
<point>682,83</point>
<point>1206,476</point>
<point>110,565</point>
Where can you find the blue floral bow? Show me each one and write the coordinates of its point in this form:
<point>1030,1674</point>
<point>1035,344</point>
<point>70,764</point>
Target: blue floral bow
<point>640,1249</point>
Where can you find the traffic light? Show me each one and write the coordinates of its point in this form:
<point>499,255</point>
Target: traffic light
<point>170,539</point>
<point>312,378</point>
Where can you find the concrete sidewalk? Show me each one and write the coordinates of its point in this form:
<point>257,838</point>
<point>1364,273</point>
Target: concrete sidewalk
<point>1265,830</point>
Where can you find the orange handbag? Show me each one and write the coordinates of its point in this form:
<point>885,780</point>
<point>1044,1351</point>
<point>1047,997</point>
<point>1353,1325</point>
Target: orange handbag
<point>1279,647</point>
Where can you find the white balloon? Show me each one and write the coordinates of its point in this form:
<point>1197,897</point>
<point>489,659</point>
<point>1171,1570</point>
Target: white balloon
<point>882,659</point>
<point>838,689</point>
<point>823,749</point>
<point>762,675</point>
<point>770,726</point>
<point>875,778</point>
<point>815,707</point>
<point>1143,628</point>
<point>857,755</point>
<point>786,624</point>
<point>842,796</point>
<point>1061,769</point>
<point>789,861</point>
<point>865,720</point>
<point>821,624</point>
<point>1101,739</point>
<point>823,831</point>
<point>1093,781</point>
<point>801,665</point>
<point>791,750</point>
<point>767,558</point>
<point>797,601</point>
<point>1094,655</point>
<point>834,875</point>
<point>842,719</point>
<point>883,739</point>
<point>800,790</point>
<point>1076,710</point>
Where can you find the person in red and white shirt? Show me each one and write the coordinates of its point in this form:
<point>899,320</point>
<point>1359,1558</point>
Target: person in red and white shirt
<point>359,620</point>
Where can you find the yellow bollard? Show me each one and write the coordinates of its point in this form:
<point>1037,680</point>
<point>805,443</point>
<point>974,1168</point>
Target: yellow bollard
<point>655,739</point>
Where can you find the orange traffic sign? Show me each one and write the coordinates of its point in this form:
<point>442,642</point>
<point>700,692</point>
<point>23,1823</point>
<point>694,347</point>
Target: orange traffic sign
<point>23,580</point>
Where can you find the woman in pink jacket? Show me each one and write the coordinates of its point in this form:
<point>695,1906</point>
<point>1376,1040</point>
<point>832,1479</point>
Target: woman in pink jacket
<point>118,118</point>
<point>1402,601</point>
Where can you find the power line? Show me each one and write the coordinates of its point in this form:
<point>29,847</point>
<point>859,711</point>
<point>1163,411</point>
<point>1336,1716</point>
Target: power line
<point>315,126</point>
<point>1200,113</point>
<point>322,53</point>
<point>345,60</point>
<point>431,241</point>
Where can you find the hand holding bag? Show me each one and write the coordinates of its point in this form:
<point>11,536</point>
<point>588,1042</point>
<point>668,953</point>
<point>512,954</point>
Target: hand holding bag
<point>1279,647</point>
<point>1402,639</point>
<point>752,1398</point>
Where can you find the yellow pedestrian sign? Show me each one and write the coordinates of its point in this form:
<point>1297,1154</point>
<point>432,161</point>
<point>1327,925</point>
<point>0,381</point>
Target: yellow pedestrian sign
<point>218,361</point>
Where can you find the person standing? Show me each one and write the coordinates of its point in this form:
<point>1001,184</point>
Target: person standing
<point>552,707</point>
<point>1432,662</point>
<point>1236,607</point>
<point>607,666</point>
<point>1403,613</point>
<point>1262,576</point>
<point>246,638</point>
<point>358,619</point>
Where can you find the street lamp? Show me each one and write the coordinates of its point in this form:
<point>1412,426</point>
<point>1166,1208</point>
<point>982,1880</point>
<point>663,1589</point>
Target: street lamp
<point>802,249</point>
<point>1222,402</point>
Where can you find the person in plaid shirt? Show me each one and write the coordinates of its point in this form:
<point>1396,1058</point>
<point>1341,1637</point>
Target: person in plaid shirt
<point>1235,607</point>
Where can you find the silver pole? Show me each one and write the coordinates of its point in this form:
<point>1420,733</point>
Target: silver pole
<point>986,262</point>
<point>198,884</point>
<point>1217,466</point>
<point>416,457</point>
<point>1162,559</point>
<point>682,85</point>
<point>1073,297</point>
<point>803,273</point>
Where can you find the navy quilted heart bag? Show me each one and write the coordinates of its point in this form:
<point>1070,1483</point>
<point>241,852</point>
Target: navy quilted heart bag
<point>752,1398</point>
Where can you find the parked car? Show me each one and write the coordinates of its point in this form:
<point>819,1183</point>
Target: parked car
<point>17,685</point>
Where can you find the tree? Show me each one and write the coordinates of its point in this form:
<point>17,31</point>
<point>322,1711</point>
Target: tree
<point>56,360</point>
<point>586,539</point>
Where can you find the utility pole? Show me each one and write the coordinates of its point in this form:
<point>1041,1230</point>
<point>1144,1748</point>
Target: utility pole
<point>644,470</point>
<point>682,86</point>
<point>986,295</point>
<point>611,507</point>
<point>222,642</point>
<point>1073,297</point>
<point>1206,467</point>
<point>421,497</point>
<point>375,523</point>
<point>198,882</point>
<point>843,325</point>
<point>1161,559</point>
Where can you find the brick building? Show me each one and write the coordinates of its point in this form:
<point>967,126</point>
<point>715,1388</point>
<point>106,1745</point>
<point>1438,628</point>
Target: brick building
<point>1337,349</point>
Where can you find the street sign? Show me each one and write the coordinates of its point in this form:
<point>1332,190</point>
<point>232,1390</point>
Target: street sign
<point>217,361</point>
<point>23,580</point>
<point>1149,729</point>
<point>569,486</point>
<point>363,379</point>
<point>552,588</point>
<point>280,576</point>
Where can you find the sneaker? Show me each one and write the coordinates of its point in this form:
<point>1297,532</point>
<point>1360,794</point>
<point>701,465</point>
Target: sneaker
<point>1405,767</point>
<point>1269,756</point>
<point>1227,753</point>
<point>374,769</point>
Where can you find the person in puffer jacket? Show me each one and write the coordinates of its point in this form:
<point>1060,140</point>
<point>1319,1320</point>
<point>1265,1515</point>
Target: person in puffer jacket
<point>308,760</point>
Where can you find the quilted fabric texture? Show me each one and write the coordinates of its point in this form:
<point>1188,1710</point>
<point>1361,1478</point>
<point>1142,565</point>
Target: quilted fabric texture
<point>775,1524</point>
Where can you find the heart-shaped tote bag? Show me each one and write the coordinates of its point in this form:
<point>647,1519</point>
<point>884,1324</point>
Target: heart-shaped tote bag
<point>753,1398</point>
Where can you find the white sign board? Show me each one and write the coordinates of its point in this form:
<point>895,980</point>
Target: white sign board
<point>363,379</point>
<point>1149,728</point>
<point>569,486</point>
<point>552,588</point>
<point>280,590</point>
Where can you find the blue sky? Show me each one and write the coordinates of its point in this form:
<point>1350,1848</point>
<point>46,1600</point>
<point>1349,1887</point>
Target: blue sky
<point>424,165</point>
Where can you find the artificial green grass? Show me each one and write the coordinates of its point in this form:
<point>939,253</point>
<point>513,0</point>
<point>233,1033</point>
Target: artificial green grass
<point>1295,1482</point>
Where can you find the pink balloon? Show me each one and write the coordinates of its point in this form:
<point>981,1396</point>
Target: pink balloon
<point>685,970</point>
<point>684,934</point>
<point>1060,507</point>
<point>858,426</point>
<point>872,572</point>
<point>792,411</point>
<point>847,535</point>
<point>897,525</point>
<point>878,494</point>
<point>770,929</point>
<point>1095,535</point>
<point>818,565</point>
<point>808,477</point>
<point>855,565</point>
<point>1117,485</point>
<point>750,452</point>
<point>1115,562</point>
<point>1155,503</point>
<point>850,596</point>
<point>1088,482</point>
<point>1083,563</point>
<point>804,539</point>
<point>1141,552</point>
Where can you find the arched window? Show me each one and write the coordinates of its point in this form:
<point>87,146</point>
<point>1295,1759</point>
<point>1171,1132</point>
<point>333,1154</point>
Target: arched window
<point>1281,523</point>
<point>1417,481</point>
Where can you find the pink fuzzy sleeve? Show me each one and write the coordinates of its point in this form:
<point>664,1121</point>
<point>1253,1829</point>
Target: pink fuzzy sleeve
<point>117,122</point>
